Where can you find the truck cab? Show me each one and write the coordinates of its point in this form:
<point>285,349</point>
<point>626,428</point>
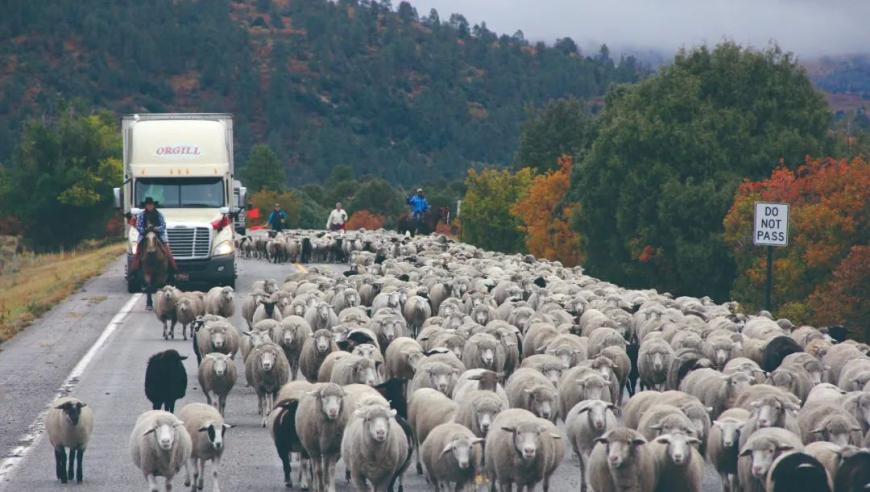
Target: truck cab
<point>185,163</point>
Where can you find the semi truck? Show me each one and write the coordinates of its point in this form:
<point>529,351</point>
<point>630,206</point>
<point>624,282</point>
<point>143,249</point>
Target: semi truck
<point>184,162</point>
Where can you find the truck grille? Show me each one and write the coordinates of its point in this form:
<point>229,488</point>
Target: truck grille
<point>189,242</point>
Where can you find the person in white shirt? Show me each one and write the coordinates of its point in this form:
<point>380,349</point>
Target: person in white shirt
<point>337,218</point>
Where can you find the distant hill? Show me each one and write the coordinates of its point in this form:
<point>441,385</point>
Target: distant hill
<point>324,83</point>
<point>846,80</point>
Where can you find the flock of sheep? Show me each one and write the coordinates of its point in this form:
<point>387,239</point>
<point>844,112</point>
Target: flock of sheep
<point>483,367</point>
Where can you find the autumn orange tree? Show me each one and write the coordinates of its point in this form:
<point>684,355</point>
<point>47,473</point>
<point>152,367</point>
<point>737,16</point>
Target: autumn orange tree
<point>829,215</point>
<point>547,220</point>
<point>363,219</point>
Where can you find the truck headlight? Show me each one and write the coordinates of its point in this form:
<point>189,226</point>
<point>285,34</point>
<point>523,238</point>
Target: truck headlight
<point>224,248</point>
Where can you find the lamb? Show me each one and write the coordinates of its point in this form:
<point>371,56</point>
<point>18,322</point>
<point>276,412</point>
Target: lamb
<point>207,429</point>
<point>517,450</point>
<point>450,455</point>
<point>759,452</point>
<point>374,447</point>
<point>314,351</point>
<point>282,427</point>
<point>654,360</point>
<point>69,424</point>
<point>217,374</point>
<point>679,466</point>
<point>621,461</point>
<point>165,379</point>
<point>291,335</point>
<point>478,409</point>
<point>220,301</point>
<point>160,446</point>
<point>164,308</point>
<point>320,422</point>
<point>586,422</point>
<point>723,445</point>
<point>715,389</point>
<point>428,409</point>
<point>797,471</point>
<point>530,390</point>
<point>434,374</point>
<point>354,369</point>
<point>400,358</point>
<point>188,307</point>
<point>269,371</point>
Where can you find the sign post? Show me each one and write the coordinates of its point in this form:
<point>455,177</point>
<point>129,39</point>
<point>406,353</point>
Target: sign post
<point>771,230</point>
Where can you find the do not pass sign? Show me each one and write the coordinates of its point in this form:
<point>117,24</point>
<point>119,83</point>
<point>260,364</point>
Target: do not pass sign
<point>771,224</point>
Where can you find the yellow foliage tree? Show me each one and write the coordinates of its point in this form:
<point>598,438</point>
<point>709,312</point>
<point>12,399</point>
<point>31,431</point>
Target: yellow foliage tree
<point>266,199</point>
<point>546,220</point>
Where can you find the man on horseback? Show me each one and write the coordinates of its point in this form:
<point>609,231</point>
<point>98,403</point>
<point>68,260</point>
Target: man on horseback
<point>419,206</point>
<point>152,220</point>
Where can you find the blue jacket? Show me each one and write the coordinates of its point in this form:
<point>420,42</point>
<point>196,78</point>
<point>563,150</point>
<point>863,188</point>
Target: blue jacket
<point>418,204</point>
<point>275,219</point>
<point>161,226</point>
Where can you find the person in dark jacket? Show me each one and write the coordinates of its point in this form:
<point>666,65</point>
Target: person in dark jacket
<point>152,219</point>
<point>277,219</point>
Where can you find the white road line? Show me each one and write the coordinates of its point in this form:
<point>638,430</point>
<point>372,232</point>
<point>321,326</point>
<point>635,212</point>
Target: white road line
<point>35,430</point>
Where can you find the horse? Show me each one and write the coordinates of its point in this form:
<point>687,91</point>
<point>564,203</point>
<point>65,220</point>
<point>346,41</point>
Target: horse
<point>155,266</point>
<point>428,222</point>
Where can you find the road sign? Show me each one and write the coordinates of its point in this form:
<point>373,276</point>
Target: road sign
<point>771,224</point>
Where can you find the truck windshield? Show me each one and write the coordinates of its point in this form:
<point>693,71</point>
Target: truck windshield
<point>181,192</point>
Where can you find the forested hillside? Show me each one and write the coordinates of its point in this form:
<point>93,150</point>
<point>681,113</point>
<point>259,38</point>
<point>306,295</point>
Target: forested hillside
<point>359,83</point>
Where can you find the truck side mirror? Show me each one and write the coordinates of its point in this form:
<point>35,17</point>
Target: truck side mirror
<point>119,198</point>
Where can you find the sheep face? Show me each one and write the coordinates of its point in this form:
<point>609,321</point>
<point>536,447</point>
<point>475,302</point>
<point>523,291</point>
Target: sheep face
<point>216,433</point>
<point>738,382</point>
<point>526,439</point>
<point>227,295</point>
<point>185,306</point>
<point>266,360</point>
<point>219,364</point>
<point>462,450</point>
<point>771,411</point>
<point>593,387</point>
<point>483,416</point>
<point>565,354</point>
<point>217,337</point>
<point>553,374</point>
<point>322,341</point>
<point>364,372</point>
<point>487,356</point>
<point>836,429</point>
<point>165,434</point>
<point>72,410</point>
<point>679,447</point>
<point>339,333</point>
<point>331,401</point>
<point>366,350</point>
<point>298,308</point>
<point>658,361</point>
<point>377,423</point>
<point>620,447</point>
<point>541,401</point>
<point>763,453</point>
<point>596,414</point>
<point>323,312</point>
<point>730,432</point>
<point>441,377</point>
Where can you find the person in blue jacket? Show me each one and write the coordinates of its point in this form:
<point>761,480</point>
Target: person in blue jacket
<point>419,205</point>
<point>278,218</point>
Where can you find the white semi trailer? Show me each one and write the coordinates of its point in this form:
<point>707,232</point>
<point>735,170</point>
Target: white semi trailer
<point>185,163</point>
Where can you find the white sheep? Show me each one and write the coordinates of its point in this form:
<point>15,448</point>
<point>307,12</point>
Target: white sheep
<point>530,390</point>
<point>679,466</point>
<point>517,452</point>
<point>621,461</point>
<point>220,301</point>
<point>374,447</point>
<point>160,446</point>
<point>291,334</point>
<point>269,371</point>
<point>69,424</point>
<point>759,452</point>
<point>584,424</point>
<point>723,443</point>
<point>427,409</point>
<point>451,454</point>
<point>401,357</point>
<point>217,374</point>
<point>653,361</point>
<point>207,430</point>
<point>320,422</point>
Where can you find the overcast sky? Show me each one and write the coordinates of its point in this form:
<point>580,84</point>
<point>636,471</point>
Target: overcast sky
<point>806,27</point>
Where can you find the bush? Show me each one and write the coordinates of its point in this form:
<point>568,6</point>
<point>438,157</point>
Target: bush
<point>363,219</point>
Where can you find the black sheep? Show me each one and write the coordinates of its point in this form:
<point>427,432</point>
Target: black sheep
<point>305,256</point>
<point>393,391</point>
<point>798,471</point>
<point>854,472</point>
<point>165,379</point>
<point>632,350</point>
<point>285,436</point>
<point>776,350</point>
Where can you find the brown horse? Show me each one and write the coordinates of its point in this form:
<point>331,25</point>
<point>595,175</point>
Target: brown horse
<point>428,222</point>
<point>155,266</point>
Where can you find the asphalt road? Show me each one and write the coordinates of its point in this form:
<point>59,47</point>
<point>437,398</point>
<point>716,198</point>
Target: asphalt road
<point>37,363</point>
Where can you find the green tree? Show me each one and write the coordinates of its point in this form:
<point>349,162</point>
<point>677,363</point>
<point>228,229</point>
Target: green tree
<point>378,197</point>
<point>670,152</point>
<point>264,170</point>
<point>63,175</point>
<point>486,218</point>
<point>562,127</point>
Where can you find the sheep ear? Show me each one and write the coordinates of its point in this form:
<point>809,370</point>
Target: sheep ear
<point>447,448</point>
<point>784,447</point>
<point>602,439</point>
<point>817,431</point>
<point>693,440</point>
<point>179,424</point>
<point>755,404</point>
<point>509,429</point>
<point>149,431</point>
<point>746,452</point>
<point>656,427</point>
<point>203,428</point>
<point>228,426</point>
<point>663,439</point>
<point>555,436</point>
<point>478,440</point>
<point>393,412</point>
<point>475,377</point>
<point>709,410</point>
<point>638,441</point>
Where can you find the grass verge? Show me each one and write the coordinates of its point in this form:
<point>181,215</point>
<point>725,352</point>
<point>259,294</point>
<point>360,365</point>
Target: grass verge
<point>34,283</point>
